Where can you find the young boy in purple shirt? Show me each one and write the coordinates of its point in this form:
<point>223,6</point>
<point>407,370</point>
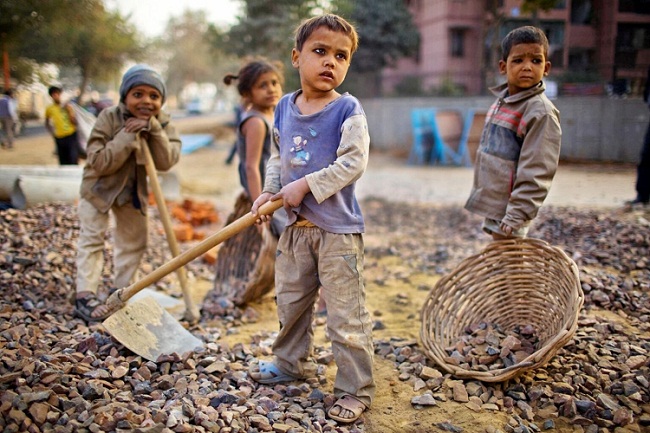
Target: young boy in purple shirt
<point>320,149</point>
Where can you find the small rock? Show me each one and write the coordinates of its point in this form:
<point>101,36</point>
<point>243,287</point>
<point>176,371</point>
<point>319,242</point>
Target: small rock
<point>423,400</point>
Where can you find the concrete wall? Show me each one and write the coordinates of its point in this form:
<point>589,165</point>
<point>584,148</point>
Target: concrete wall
<point>593,128</point>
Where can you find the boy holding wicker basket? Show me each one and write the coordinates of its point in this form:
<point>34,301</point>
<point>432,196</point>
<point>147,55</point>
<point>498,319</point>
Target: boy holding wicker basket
<point>520,145</point>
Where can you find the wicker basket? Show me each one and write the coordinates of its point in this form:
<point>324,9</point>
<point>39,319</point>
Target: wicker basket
<point>509,283</point>
<point>245,267</point>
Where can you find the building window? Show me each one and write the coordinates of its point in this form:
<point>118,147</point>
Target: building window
<point>581,12</point>
<point>631,38</point>
<point>457,40</point>
<point>581,60</point>
<point>634,6</point>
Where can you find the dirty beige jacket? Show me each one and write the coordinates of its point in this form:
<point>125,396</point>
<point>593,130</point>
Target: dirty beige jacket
<point>517,157</point>
<point>114,165</point>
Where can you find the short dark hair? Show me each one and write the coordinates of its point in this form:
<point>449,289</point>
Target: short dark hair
<point>54,89</point>
<point>332,22</point>
<point>523,35</point>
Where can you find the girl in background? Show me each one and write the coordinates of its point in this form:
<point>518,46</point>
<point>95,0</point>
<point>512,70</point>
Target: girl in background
<point>259,84</point>
<point>237,277</point>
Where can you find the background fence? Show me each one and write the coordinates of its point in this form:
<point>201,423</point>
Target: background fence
<point>594,128</point>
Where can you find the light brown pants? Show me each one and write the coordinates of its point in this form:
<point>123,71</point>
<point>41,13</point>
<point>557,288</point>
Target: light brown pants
<point>309,258</point>
<point>7,133</point>
<point>130,237</point>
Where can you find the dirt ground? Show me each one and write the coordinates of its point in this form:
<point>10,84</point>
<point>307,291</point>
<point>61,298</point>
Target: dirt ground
<point>204,175</point>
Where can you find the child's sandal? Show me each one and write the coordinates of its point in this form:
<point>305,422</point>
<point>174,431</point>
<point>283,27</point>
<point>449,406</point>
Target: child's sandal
<point>86,306</point>
<point>266,373</point>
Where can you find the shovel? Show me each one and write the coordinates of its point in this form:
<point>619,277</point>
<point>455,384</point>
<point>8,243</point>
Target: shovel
<point>151,331</point>
<point>191,311</point>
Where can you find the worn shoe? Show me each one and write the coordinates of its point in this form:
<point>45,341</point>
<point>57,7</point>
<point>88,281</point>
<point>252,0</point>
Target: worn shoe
<point>91,309</point>
<point>268,373</point>
<point>347,409</point>
<point>637,203</point>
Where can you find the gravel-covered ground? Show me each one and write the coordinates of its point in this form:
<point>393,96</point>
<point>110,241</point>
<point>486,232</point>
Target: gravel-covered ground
<point>57,373</point>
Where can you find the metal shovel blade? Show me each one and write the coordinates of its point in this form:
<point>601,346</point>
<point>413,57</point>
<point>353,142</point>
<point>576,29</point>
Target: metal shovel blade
<point>147,329</point>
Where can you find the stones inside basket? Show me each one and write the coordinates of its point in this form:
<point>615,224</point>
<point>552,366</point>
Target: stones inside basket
<point>488,347</point>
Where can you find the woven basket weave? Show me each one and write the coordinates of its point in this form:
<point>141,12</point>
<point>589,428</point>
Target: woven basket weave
<point>245,266</point>
<point>509,283</point>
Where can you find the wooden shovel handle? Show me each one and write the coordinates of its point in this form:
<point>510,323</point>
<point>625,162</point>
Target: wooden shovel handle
<point>192,313</point>
<point>124,294</point>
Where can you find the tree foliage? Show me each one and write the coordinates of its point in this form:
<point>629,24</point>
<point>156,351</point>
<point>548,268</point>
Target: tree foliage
<point>193,51</point>
<point>385,28</point>
<point>189,53</point>
<point>266,28</point>
<point>80,34</point>
<point>19,18</point>
<point>493,33</point>
<point>533,6</point>
<point>386,32</point>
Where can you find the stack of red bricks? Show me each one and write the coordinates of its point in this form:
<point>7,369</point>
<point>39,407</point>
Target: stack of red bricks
<point>189,215</point>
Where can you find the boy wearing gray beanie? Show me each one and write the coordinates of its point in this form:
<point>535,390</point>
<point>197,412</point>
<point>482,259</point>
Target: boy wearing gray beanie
<point>142,74</point>
<point>115,180</point>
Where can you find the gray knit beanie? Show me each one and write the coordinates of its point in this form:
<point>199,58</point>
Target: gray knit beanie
<point>142,74</point>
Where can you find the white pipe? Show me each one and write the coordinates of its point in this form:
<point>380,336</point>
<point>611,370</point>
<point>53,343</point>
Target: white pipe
<point>9,174</point>
<point>29,191</point>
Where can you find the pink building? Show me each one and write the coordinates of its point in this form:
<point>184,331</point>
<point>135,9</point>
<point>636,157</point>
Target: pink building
<point>597,41</point>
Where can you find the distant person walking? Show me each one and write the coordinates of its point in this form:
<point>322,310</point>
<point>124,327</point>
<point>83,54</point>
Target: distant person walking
<point>643,169</point>
<point>8,119</point>
<point>61,122</point>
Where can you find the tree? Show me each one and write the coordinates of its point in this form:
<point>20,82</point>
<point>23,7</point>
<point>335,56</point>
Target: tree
<point>492,29</point>
<point>102,46</point>
<point>97,44</point>
<point>386,33</point>
<point>191,55</point>
<point>266,29</point>
<point>534,6</point>
<point>18,19</point>
<point>385,28</point>
<point>491,44</point>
